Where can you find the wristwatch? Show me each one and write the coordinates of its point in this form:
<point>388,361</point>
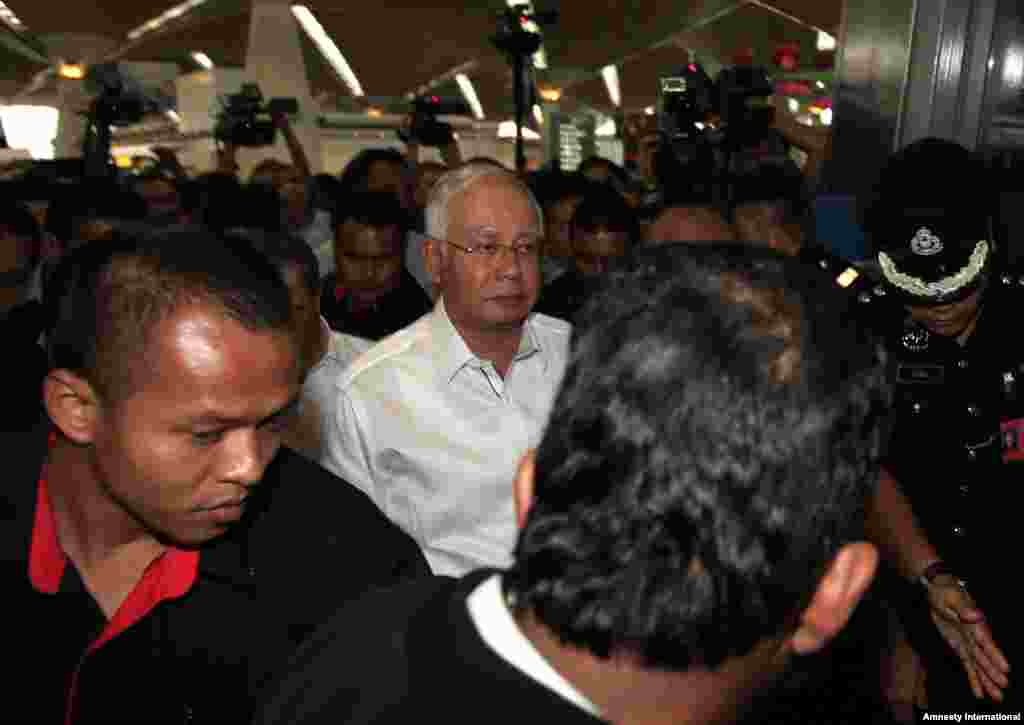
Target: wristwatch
<point>938,568</point>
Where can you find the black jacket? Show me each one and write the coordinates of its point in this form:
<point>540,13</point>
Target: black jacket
<point>397,309</point>
<point>410,655</point>
<point>308,541</point>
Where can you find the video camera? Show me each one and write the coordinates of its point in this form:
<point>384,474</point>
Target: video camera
<point>426,129</point>
<point>245,120</point>
<point>717,136</point>
<point>730,110</point>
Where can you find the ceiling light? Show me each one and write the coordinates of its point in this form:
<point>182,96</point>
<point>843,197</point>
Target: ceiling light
<point>552,95</point>
<point>173,116</point>
<point>538,115</point>
<point>170,14</point>
<point>507,129</point>
<point>611,79</point>
<point>606,128</point>
<point>327,48</point>
<point>31,127</point>
<point>469,93</point>
<point>826,116</point>
<point>7,15</point>
<point>649,110</point>
<point>793,105</point>
<point>374,112</point>
<point>71,71</point>
<point>202,59</point>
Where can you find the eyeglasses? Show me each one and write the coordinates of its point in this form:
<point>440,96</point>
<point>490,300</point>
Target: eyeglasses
<point>490,250</point>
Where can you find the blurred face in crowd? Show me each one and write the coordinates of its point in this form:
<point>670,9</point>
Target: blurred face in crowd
<point>161,197</point>
<point>180,449</point>
<point>956,319</point>
<point>294,196</point>
<point>385,176</point>
<point>595,249</point>
<point>368,259</point>
<point>497,292</point>
<point>558,237</point>
<point>306,313</point>
<point>15,270</point>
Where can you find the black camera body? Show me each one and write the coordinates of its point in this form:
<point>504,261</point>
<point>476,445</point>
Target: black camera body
<point>245,120</point>
<point>426,129</point>
<point>717,141</point>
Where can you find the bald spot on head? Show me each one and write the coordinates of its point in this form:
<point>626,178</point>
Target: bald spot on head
<point>690,224</point>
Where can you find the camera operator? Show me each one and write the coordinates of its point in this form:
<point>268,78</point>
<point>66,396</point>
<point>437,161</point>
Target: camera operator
<point>293,183</point>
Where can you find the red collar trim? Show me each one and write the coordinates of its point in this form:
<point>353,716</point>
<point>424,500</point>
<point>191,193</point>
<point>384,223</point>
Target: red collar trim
<point>169,576</point>
<point>46,559</point>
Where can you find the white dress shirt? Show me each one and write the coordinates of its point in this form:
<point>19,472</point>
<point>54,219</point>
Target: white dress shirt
<point>497,627</point>
<point>434,435</point>
<point>319,397</point>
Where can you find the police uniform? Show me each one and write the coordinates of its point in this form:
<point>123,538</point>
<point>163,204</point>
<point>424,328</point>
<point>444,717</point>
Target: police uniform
<point>957,423</point>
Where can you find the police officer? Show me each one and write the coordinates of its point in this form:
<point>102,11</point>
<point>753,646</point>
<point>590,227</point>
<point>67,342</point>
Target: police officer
<point>945,507</point>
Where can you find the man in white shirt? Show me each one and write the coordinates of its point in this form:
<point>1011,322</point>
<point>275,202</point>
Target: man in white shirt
<point>690,526</point>
<point>432,421</point>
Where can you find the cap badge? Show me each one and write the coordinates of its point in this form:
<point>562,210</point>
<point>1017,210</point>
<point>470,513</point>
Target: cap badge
<point>916,339</point>
<point>925,243</point>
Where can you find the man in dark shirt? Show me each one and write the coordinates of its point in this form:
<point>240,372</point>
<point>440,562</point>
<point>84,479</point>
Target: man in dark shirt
<point>371,294</point>
<point>160,553</point>
<point>602,230</point>
<point>689,524</point>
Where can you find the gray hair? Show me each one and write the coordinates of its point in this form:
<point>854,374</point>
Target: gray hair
<point>459,180</point>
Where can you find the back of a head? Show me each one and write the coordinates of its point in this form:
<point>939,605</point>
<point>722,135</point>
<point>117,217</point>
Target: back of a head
<point>689,223</point>
<point>710,450</point>
<point>602,206</point>
<point>284,250</point>
<point>108,296</point>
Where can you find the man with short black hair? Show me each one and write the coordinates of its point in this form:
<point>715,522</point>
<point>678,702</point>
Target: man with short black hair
<point>325,353</point>
<point>690,523</point>
<point>371,294</point>
<point>162,554</point>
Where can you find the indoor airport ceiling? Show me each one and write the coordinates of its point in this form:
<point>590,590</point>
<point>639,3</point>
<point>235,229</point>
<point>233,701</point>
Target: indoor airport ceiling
<point>401,48</point>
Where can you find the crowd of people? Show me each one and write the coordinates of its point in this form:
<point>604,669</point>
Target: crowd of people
<point>446,442</point>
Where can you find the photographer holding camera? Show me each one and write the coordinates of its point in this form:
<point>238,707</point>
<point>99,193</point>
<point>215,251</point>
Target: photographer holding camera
<point>246,121</point>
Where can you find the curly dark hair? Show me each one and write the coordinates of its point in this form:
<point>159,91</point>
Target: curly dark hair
<point>711,448</point>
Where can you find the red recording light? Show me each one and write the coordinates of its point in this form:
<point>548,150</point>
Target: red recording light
<point>693,68</point>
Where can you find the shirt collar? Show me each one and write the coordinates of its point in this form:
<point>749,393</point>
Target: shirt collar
<point>499,630</point>
<point>452,354</point>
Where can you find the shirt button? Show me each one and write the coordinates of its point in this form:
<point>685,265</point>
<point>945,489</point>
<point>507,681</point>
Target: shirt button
<point>959,532</point>
<point>962,364</point>
<point>964,489</point>
<point>916,408</point>
<point>973,410</point>
<point>972,455</point>
<point>251,571</point>
<point>823,263</point>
